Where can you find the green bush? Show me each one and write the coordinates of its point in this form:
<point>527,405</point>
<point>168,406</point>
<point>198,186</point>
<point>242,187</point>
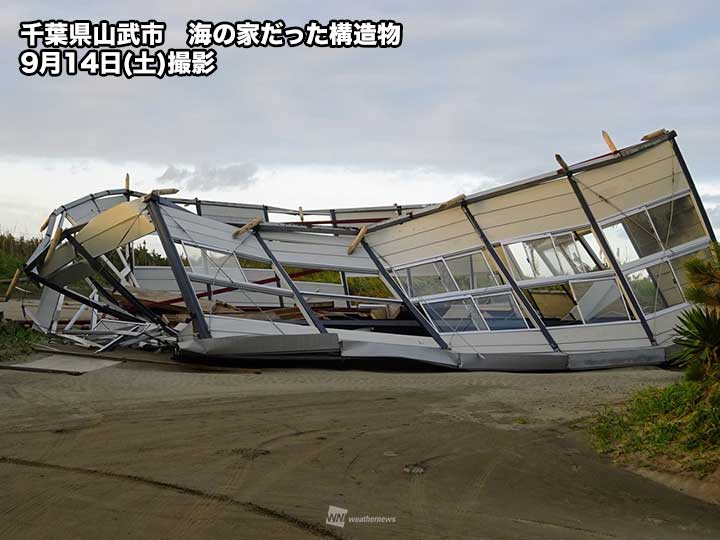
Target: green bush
<point>698,335</point>
<point>16,340</point>
<point>680,423</point>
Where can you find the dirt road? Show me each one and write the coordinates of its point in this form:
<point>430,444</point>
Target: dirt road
<point>138,451</point>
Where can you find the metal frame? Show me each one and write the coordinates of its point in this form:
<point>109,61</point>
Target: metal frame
<point>429,328</point>
<point>310,316</point>
<point>117,284</point>
<point>572,283</point>
<point>473,299</point>
<point>610,257</point>
<point>510,279</point>
<point>586,165</point>
<point>84,299</point>
<point>693,190</point>
<point>200,325</point>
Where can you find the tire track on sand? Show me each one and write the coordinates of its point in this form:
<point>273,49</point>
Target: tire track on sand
<point>247,505</point>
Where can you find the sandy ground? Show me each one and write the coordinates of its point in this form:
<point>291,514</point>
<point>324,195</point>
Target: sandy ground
<point>149,451</point>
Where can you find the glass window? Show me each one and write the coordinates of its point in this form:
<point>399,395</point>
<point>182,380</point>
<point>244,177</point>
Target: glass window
<point>455,316</point>
<point>196,260</point>
<point>214,264</point>
<point>632,238</point>
<point>591,244</point>
<point>655,288</point>
<point>535,258</point>
<point>401,276</point>
<point>500,312</point>
<point>555,304</point>
<point>678,264</point>
<point>471,272</point>
<point>574,257</point>
<point>600,301</point>
<point>677,222</point>
<point>430,278</point>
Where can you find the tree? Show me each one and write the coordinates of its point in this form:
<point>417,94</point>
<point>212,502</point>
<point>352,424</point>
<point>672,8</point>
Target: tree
<point>704,278</point>
<point>698,331</point>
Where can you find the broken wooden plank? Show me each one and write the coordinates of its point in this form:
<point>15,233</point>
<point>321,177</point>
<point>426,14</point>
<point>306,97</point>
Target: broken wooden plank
<point>654,134</point>
<point>609,142</point>
<point>163,191</point>
<point>247,227</point>
<point>13,284</point>
<point>53,244</point>
<point>356,242</point>
<point>452,202</point>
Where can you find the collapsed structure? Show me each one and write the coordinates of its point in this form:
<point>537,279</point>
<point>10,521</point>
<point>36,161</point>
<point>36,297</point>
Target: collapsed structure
<point>578,268</point>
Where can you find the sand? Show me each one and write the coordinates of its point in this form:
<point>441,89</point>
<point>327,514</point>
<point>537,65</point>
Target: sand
<point>159,451</point>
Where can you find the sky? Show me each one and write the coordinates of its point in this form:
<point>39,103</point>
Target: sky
<point>480,93</point>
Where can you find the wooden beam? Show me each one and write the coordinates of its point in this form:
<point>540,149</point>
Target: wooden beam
<point>13,284</point>
<point>654,134</point>
<point>452,202</point>
<point>53,244</point>
<point>356,241</point>
<point>609,142</point>
<point>163,191</point>
<point>250,225</point>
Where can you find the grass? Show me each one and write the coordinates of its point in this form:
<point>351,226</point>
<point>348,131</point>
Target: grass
<point>13,253</point>
<point>16,340</point>
<point>676,428</point>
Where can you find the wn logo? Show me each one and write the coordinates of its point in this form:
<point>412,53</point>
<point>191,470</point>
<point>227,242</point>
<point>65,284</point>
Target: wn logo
<point>336,516</point>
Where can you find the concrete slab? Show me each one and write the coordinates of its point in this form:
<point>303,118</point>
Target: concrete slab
<point>64,363</point>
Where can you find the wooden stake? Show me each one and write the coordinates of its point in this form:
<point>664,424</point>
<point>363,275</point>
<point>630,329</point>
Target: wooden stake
<point>358,239</point>
<point>302,214</point>
<point>13,284</point>
<point>247,227</point>
<point>609,142</point>
<point>53,244</point>
<point>653,135</point>
<point>127,181</point>
<point>164,191</point>
<point>452,202</point>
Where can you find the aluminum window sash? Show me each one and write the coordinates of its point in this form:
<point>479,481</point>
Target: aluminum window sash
<point>667,255</point>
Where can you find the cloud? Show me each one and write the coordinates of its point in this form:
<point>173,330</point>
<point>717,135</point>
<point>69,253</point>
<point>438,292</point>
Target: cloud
<point>208,177</point>
<point>492,88</point>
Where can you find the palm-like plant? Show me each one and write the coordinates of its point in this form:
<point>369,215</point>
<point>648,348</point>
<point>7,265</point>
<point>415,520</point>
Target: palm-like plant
<point>698,331</point>
<point>698,335</point>
<point>704,278</point>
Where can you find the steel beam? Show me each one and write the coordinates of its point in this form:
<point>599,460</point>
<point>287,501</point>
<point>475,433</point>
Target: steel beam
<point>694,192</point>
<point>118,286</point>
<point>406,301</point>
<point>609,255</point>
<point>510,279</point>
<point>343,276</point>
<point>200,326</point>
<point>304,307</point>
<point>83,299</point>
